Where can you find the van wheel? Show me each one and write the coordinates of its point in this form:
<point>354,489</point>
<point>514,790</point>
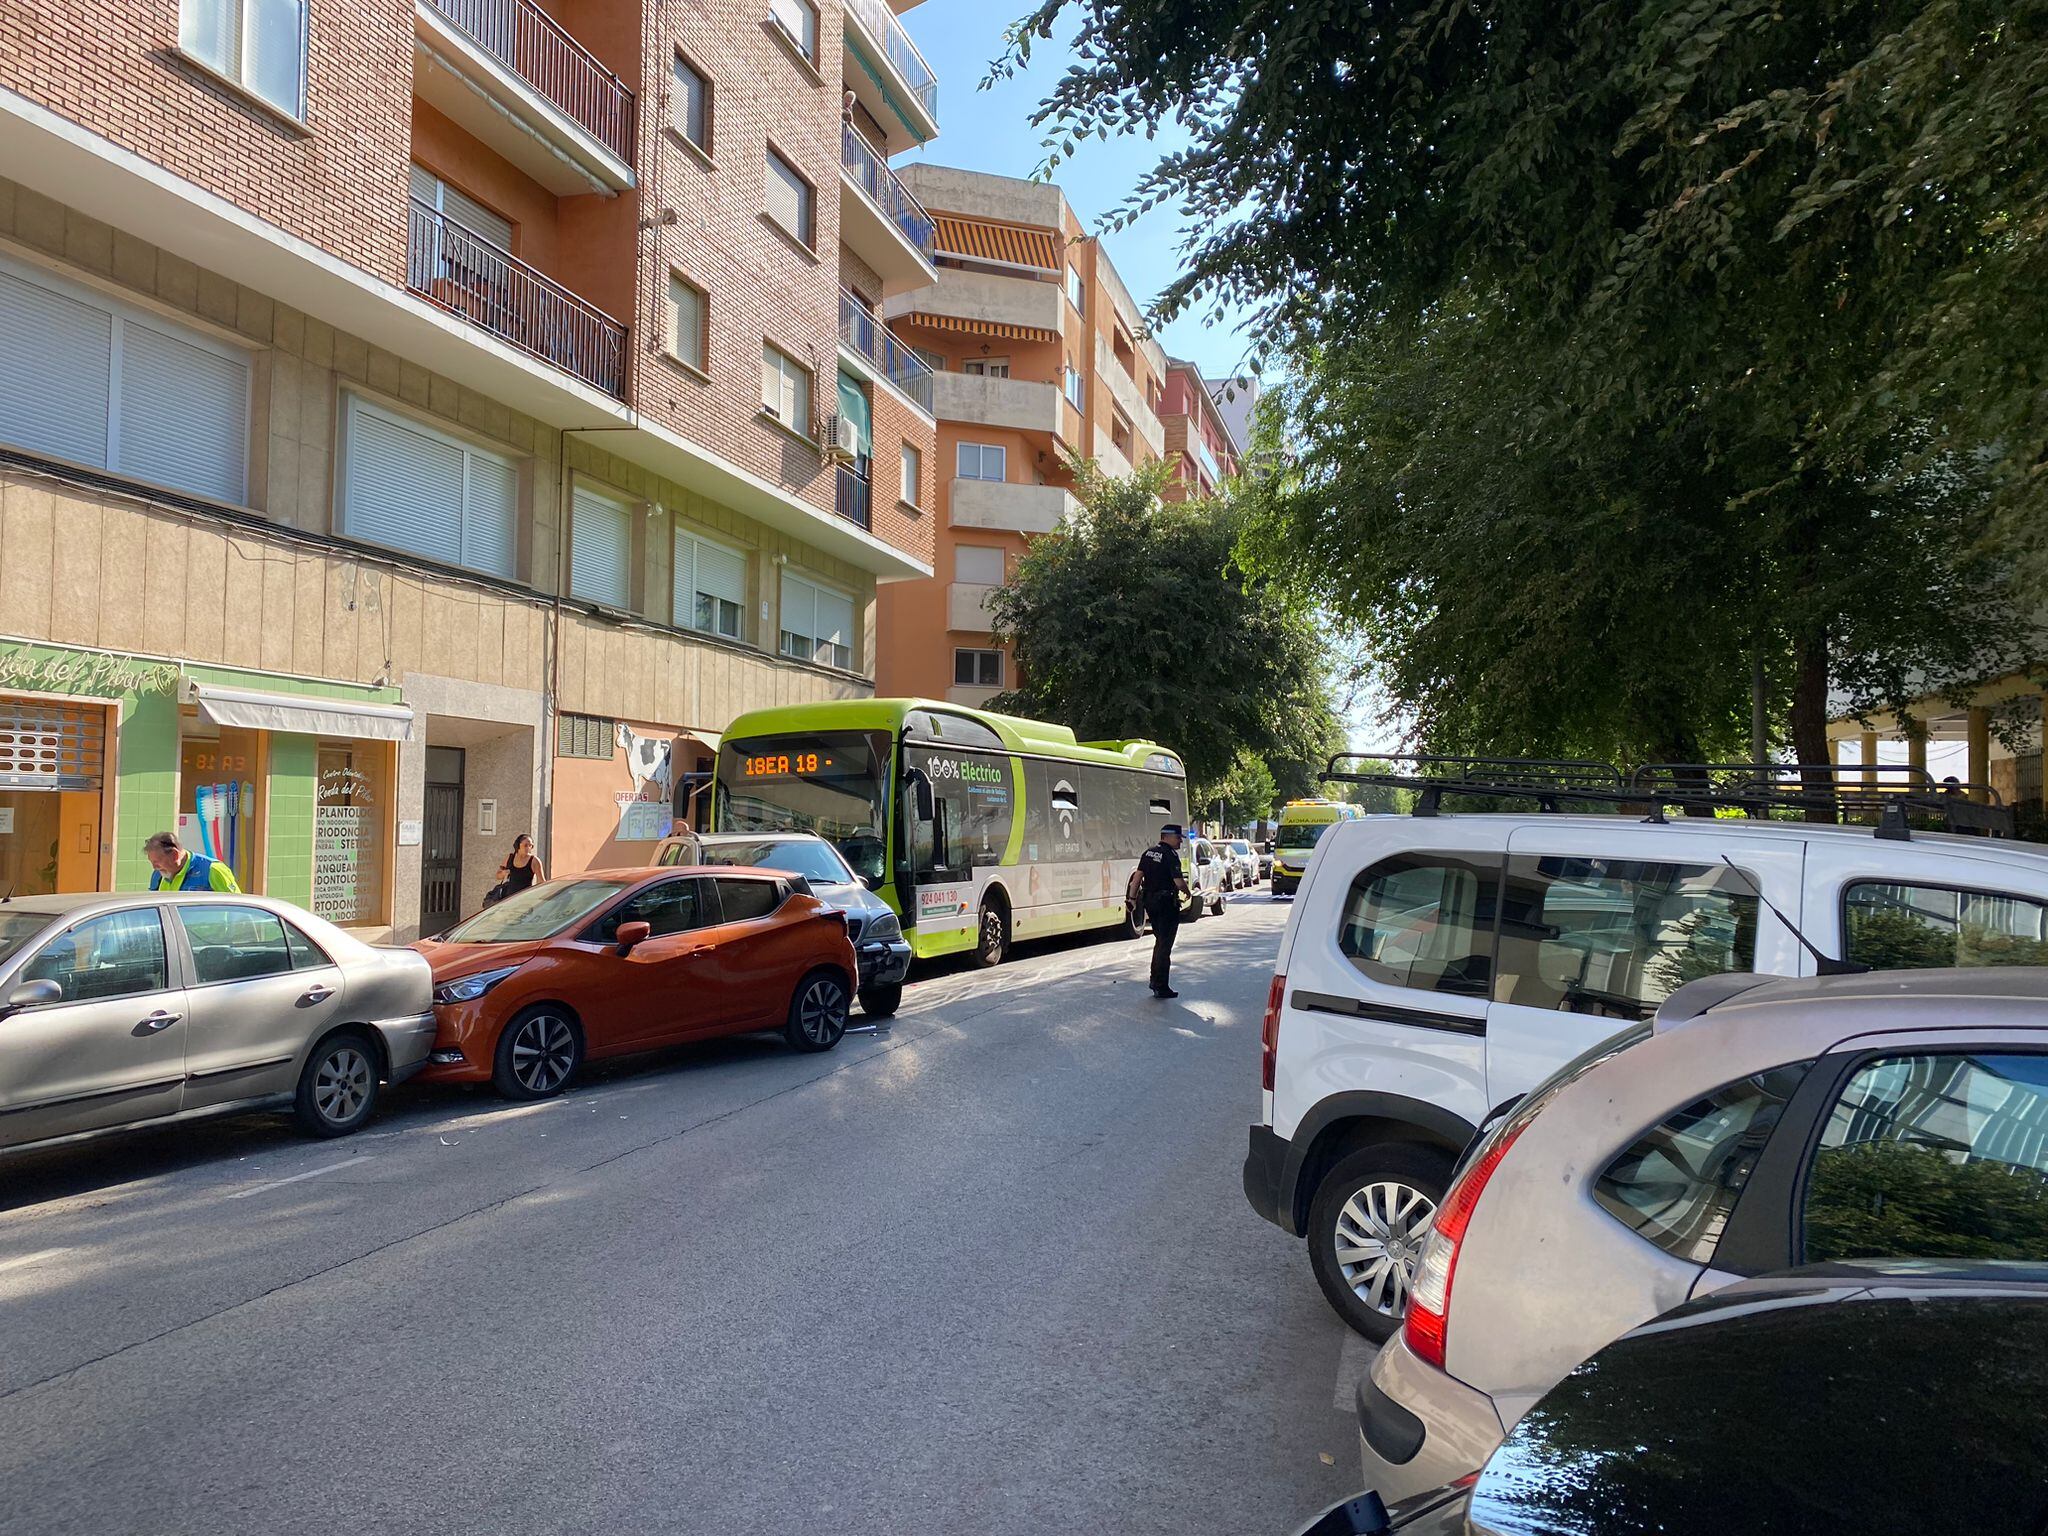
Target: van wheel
<point>337,1086</point>
<point>1365,1231</point>
<point>992,937</point>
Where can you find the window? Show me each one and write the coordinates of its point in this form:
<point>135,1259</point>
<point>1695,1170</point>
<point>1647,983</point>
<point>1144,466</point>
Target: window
<point>590,736</point>
<point>1677,1186</point>
<point>791,202</point>
<point>306,955</point>
<point>936,361</point>
<point>601,549</point>
<point>411,487</point>
<point>984,461</point>
<point>1075,391</point>
<point>978,563</point>
<point>686,336</point>
<point>978,669</point>
<point>674,906</point>
<point>1910,927</point>
<point>96,382</point>
<point>710,587</point>
<point>1615,937</point>
<point>1120,433</point>
<point>458,207</point>
<point>798,20</point>
<point>817,623</point>
<point>987,367</point>
<point>743,901</point>
<point>258,44</point>
<point>1126,353</point>
<point>690,107</point>
<point>1076,294</point>
<point>913,475</point>
<point>1422,921</point>
<point>1934,1157</point>
<point>786,390</point>
<point>235,943</point>
<point>118,955</point>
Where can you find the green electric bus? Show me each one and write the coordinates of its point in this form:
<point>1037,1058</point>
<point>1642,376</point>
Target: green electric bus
<point>976,828</point>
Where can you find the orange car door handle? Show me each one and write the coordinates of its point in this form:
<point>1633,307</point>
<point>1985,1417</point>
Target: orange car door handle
<point>157,1022</point>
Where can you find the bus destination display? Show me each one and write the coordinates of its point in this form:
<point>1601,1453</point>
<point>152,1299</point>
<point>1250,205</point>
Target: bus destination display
<point>797,765</point>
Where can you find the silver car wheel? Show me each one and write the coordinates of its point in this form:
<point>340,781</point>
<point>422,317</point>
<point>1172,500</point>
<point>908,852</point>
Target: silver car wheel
<point>822,1014</point>
<point>543,1052</point>
<point>1379,1238</point>
<point>341,1083</point>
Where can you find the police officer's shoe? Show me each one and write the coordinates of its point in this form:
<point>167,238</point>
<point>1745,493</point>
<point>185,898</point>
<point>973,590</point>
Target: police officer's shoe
<point>1164,992</point>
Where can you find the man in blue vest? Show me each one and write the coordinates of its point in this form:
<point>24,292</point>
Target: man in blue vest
<point>177,870</point>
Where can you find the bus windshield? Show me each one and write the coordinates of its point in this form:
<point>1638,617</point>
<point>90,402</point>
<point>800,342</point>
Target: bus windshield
<point>833,783</point>
<point>1303,834</point>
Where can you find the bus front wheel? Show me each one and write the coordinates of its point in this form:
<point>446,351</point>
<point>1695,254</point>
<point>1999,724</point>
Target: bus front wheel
<point>992,938</point>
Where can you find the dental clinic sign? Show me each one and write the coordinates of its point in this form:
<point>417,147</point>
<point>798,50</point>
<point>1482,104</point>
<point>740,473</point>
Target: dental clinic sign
<point>98,674</point>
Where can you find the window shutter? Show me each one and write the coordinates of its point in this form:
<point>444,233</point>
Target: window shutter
<point>788,194</point>
<point>835,619</point>
<point>490,538</point>
<point>403,486</point>
<point>601,550</point>
<point>686,304</point>
<point>184,414</point>
<point>692,104</point>
<point>56,366</point>
<point>721,573</point>
<point>475,217</point>
<point>800,21</point>
<point>799,609</point>
<point>425,188</point>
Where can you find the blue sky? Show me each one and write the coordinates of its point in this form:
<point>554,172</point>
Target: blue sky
<point>991,131</point>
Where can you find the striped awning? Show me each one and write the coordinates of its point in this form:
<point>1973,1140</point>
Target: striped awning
<point>1013,245</point>
<point>980,327</point>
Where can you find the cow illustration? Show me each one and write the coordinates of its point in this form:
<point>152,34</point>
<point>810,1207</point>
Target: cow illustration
<point>651,760</point>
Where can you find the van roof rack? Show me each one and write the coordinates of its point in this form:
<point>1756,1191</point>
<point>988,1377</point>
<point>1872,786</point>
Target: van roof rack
<point>1890,792</point>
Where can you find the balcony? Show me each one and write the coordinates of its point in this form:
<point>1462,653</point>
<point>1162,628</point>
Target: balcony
<point>880,220</point>
<point>879,353</point>
<point>888,73</point>
<point>1124,390</point>
<point>855,497</point>
<point>986,303</point>
<point>508,73</point>
<point>998,504</point>
<point>984,402</point>
<point>491,288</point>
<point>967,607</point>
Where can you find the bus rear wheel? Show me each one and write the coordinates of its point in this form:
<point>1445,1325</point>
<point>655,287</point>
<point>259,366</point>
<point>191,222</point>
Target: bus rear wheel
<point>992,937</point>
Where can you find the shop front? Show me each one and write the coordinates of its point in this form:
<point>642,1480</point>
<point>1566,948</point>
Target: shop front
<point>621,786</point>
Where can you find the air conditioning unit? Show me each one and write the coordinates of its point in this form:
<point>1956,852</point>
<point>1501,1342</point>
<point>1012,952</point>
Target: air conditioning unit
<point>842,439</point>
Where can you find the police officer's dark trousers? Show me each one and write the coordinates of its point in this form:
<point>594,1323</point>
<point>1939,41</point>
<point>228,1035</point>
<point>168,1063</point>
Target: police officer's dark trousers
<point>1163,912</point>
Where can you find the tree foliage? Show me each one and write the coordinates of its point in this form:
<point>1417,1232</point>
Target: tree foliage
<point>1696,329</point>
<point>1135,621</point>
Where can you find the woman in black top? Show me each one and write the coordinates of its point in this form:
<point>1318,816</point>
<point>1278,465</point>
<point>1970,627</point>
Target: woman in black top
<point>521,868</point>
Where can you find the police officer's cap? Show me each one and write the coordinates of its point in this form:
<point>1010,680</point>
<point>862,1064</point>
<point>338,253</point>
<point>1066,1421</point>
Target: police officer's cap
<point>1171,829</point>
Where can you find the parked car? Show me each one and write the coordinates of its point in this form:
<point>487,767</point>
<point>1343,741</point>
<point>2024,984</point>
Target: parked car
<point>1435,968</point>
<point>1848,1400</point>
<point>612,962</point>
<point>877,936</point>
<point>1207,868</point>
<point>1244,864</point>
<point>1757,1125</point>
<point>119,1011</point>
<point>1266,860</point>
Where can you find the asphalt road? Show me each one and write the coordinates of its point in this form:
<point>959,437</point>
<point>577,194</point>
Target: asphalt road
<point>987,1272</point>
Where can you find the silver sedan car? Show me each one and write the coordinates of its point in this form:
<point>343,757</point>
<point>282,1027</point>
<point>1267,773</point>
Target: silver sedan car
<point>119,1011</point>
<point>1759,1124</point>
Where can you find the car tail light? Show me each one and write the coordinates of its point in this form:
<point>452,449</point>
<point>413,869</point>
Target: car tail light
<point>1427,1329</point>
<point>1269,1032</point>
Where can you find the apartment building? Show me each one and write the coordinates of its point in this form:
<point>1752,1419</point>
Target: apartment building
<point>427,421</point>
<point>1200,444</point>
<point>1038,353</point>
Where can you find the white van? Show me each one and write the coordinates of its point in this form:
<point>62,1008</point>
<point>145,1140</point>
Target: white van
<point>1437,967</point>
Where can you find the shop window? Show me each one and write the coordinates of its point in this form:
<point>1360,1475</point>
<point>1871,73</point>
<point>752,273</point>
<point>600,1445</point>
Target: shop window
<point>351,831</point>
<point>52,795</point>
<point>220,807</point>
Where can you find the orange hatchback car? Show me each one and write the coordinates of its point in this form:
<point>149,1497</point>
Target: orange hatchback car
<point>617,961</point>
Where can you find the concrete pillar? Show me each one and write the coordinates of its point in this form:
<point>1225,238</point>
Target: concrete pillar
<point>1868,744</point>
<point>1916,743</point>
<point>1979,751</point>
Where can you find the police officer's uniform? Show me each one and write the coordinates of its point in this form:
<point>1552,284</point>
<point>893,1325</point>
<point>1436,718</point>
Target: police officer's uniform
<point>1159,876</point>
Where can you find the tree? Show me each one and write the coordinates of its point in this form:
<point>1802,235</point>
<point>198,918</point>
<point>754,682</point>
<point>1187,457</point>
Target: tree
<point>1246,793</point>
<point>1135,621</point>
<point>1750,286</point>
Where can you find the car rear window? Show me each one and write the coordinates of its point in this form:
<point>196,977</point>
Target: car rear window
<point>1895,927</point>
<point>745,900</point>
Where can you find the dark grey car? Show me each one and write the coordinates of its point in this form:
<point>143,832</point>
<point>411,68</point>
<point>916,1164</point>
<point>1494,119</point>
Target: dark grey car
<point>878,942</point>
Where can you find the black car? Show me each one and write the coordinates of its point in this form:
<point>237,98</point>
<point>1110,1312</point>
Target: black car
<point>877,936</point>
<point>1858,1399</point>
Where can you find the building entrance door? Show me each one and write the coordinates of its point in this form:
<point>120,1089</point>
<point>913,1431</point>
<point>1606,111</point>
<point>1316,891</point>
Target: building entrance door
<point>441,843</point>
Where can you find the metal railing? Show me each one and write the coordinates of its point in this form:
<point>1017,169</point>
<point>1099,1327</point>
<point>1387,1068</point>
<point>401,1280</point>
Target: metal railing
<point>866,335</point>
<point>855,500</point>
<point>871,172</point>
<point>876,16</point>
<point>534,46</point>
<point>487,285</point>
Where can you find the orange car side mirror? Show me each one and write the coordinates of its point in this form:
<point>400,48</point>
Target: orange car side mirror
<point>630,934</point>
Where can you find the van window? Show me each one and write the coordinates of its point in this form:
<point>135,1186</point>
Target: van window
<point>1295,835</point>
<point>1934,1157</point>
<point>1615,937</point>
<point>1911,927</point>
<point>1423,921</point>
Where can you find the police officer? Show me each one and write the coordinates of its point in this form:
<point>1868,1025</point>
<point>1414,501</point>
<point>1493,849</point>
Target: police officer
<point>1162,888</point>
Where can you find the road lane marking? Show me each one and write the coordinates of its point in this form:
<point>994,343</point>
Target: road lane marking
<point>1354,1360</point>
<point>310,1173</point>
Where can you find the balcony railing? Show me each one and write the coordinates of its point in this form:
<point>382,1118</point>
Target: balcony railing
<point>531,43</point>
<point>876,16</point>
<point>874,177</point>
<point>469,276</point>
<point>866,335</point>
<point>856,497</point>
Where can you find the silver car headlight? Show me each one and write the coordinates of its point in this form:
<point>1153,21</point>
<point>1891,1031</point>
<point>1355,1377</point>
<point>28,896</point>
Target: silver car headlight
<point>883,925</point>
<point>469,988</point>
